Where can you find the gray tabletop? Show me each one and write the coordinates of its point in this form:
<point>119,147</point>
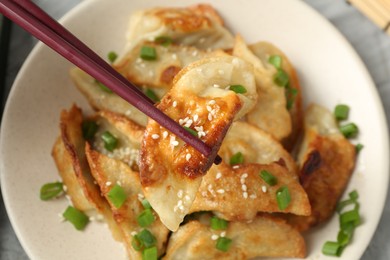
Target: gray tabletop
<point>370,42</point>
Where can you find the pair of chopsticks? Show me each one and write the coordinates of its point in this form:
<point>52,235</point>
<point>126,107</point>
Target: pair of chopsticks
<point>38,23</point>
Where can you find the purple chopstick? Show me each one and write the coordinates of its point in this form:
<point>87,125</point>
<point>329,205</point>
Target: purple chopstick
<point>34,20</point>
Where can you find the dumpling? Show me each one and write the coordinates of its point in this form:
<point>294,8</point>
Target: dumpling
<point>101,99</point>
<point>199,26</point>
<point>326,160</point>
<point>200,100</point>
<point>158,73</point>
<point>69,156</point>
<point>263,237</point>
<point>270,112</point>
<point>239,193</point>
<point>109,172</point>
<point>264,50</point>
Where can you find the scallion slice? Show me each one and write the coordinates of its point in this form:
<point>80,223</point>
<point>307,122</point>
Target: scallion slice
<point>51,190</point>
<point>152,95</point>
<point>103,87</point>
<point>150,254</point>
<point>146,204</point>
<point>146,238</point>
<point>191,131</point>
<point>268,178</point>
<point>112,56</point>
<point>237,158</point>
<point>136,243</point>
<point>145,218</point>
<point>341,112</point>
<point>89,129</point>
<point>110,141</point>
<point>359,147</point>
<point>351,216</point>
<point>281,78</point>
<point>223,244</point>
<point>117,196</point>
<point>163,40</point>
<point>332,248</point>
<point>76,217</point>
<point>218,223</point>
<point>349,130</point>
<point>275,60</point>
<point>283,197</point>
<point>344,236</point>
<point>239,89</point>
<point>148,53</point>
<point>354,195</point>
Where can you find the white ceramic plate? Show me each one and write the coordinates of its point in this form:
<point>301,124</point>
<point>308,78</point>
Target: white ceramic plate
<point>329,70</point>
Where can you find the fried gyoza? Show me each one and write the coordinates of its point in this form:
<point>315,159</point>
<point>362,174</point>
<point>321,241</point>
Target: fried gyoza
<point>158,73</point>
<point>200,100</point>
<point>108,172</point>
<point>256,146</point>
<point>100,99</point>
<point>264,236</point>
<point>326,161</point>
<point>270,112</point>
<point>68,153</point>
<point>263,50</point>
<point>199,26</point>
<point>239,193</point>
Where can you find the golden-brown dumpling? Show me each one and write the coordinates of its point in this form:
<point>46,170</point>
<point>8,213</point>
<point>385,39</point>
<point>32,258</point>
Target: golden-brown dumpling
<point>200,100</point>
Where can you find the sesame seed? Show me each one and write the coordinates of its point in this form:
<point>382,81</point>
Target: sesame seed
<point>128,112</point>
<point>210,117</point>
<point>196,117</point>
<point>180,194</point>
<point>214,237</point>
<point>181,207</point>
<point>174,104</point>
<point>212,102</point>
<point>155,136</point>
<point>188,198</point>
<point>174,56</point>
<point>92,218</point>
<point>219,175</point>
<point>165,134</point>
<point>175,143</point>
<point>244,176</point>
<point>223,233</point>
<point>221,191</point>
<point>188,123</point>
<point>216,86</point>
<point>243,187</point>
<point>236,166</point>
<point>64,188</point>
<point>264,188</point>
<point>208,108</point>
<point>108,183</point>
<point>188,156</point>
<point>245,194</point>
<point>180,202</point>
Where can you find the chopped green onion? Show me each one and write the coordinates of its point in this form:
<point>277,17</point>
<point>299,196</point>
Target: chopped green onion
<point>103,87</point>
<point>239,89</point>
<point>223,244</point>
<point>191,131</point>
<point>117,196</point>
<point>351,216</point>
<point>349,130</point>
<point>164,40</point>
<point>146,204</point>
<point>268,177</point>
<point>146,238</point>
<point>359,147</point>
<point>51,190</point>
<point>283,197</point>
<point>281,78</point>
<point>145,218</point>
<point>275,60</point>
<point>332,248</point>
<point>148,53</point>
<point>344,236</point>
<point>76,217</point>
<point>110,141</point>
<point>150,254</point>
<point>354,195</point>
<point>152,95</point>
<point>291,94</point>
<point>218,223</point>
<point>112,56</point>
<point>342,204</point>
<point>136,243</point>
<point>89,129</point>
<point>341,112</point>
<point>237,158</point>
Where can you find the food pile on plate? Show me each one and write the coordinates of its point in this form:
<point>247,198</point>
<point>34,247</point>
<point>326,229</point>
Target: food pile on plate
<point>283,169</point>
